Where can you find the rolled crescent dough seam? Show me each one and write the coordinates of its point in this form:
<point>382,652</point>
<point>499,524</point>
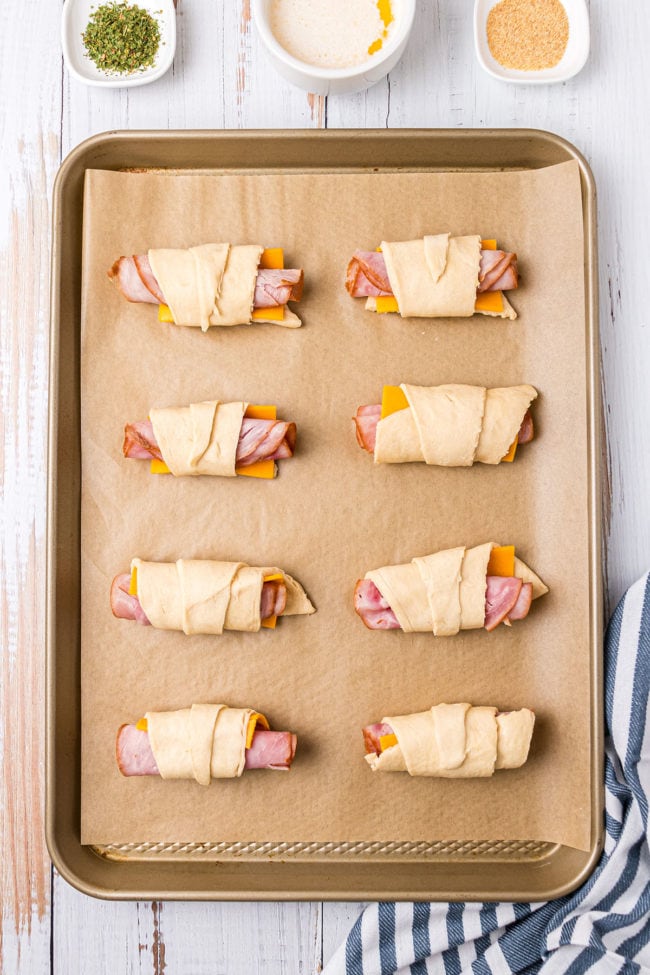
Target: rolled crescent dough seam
<point>203,742</point>
<point>447,593</point>
<point>453,425</point>
<point>456,741</point>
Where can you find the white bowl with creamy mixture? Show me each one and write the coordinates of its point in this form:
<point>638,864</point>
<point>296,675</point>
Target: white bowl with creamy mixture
<point>330,47</point>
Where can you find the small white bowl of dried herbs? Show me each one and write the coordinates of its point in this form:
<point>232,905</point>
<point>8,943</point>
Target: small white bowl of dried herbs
<point>118,44</point>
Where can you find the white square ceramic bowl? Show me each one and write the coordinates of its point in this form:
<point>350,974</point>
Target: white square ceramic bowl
<point>575,56</point>
<point>76,14</point>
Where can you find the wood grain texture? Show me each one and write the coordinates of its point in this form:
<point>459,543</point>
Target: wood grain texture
<point>220,78</point>
<point>30,156</point>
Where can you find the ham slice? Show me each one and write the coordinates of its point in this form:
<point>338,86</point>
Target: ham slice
<point>372,735</point>
<point>520,610</point>
<point>367,276</point>
<point>123,604</point>
<point>275,287</point>
<point>373,608</point>
<point>369,416</point>
<point>127,607</point>
<point>501,596</point>
<point>497,271</point>
<point>505,600</point>
<point>258,440</point>
<point>366,422</point>
<point>137,282</point>
<point>269,749</point>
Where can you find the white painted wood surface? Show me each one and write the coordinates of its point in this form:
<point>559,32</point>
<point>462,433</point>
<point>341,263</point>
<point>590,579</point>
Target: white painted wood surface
<point>220,79</point>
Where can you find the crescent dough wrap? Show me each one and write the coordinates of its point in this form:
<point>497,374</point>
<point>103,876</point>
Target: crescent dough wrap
<point>436,277</point>
<point>200,438</point>
<point>456,741</point>
<point>453,425</point>
<point>206,596</point>
<point>212,284</point>
<point>443,592</point>
<point>206,741</point>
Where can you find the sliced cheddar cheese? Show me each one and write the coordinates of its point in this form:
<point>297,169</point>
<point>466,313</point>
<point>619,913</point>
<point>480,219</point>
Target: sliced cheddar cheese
<point>142,725</point>
<point>253,722</point>
<point>268,314</point>
<point>387,741</point>
<point>393,400</point>
<point>489,301</point>
<point>272,258</point>
<point>133,585</point>
<point>385,304</point>
<point>510,456</point>
<point>502,561</point>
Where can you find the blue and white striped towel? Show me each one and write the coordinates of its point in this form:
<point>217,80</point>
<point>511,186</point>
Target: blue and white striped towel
<point>604,927</point>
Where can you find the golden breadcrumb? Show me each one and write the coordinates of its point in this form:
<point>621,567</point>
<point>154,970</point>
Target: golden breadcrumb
<point>528,35</point>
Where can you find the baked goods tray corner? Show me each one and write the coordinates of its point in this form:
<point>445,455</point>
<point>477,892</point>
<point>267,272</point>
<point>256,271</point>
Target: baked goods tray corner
<point>463,868</point>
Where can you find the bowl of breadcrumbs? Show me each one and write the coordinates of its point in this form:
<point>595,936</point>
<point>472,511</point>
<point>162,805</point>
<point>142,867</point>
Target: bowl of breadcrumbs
<point>532,41</point>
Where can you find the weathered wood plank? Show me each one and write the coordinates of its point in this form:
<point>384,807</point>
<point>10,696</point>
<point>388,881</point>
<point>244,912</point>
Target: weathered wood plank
<point>103,937</point>
<point>30,109</point>
<point>338,919</point>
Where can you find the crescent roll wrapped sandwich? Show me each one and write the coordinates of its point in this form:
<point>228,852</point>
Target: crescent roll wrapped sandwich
<point>456,589</point>
<point>451,741</point>
<point>205,596</point>
<point>213,284</point>
<point>450,426</point>
<point>211,438</point>
<point>203,742</point>
<point>436,276</point>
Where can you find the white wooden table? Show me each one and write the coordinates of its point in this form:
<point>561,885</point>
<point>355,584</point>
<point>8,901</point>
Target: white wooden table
<point>220,80</point>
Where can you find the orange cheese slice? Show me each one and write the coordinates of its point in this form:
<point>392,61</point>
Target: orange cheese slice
<point>489,245</point>
<point>253,721</point>
<point>142,725</point>
<point>489,301</point>
<point>262,468</point>
<point>502,561</point>
<point>273,258</point>
<point>268,314</point>
<point>133,585</point>
<point>392,401</point>
<point>387,741</point>
<point>510,456</point>
<point>165,314</point>
<point>158,466</point>
<point>264,412</point>
<point>386,303</point>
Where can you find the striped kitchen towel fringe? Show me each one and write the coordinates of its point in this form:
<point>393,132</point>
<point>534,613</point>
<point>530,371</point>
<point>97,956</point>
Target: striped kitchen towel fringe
<point>604,927</point>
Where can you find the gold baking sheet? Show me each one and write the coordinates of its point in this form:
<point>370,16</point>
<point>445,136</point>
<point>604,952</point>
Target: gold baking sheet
<point>463,868</point>
<point>331,515</point>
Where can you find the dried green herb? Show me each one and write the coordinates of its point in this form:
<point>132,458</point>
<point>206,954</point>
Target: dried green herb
<point>121,38</point>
